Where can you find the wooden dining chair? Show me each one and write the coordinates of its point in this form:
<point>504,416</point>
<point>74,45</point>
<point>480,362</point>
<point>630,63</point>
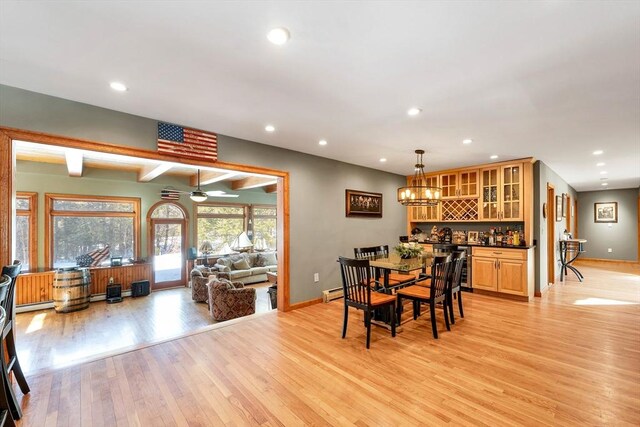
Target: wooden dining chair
<point>432,290</point>
<point>5,407</point>
<point>12,364</point>
<point>356,279</point>
<point>455,288</point>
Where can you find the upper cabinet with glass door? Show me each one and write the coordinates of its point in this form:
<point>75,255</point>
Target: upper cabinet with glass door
<point>462,184</point>
<point>501,193</point>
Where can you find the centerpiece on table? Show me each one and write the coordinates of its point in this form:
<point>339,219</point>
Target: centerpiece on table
<point>408,250</point>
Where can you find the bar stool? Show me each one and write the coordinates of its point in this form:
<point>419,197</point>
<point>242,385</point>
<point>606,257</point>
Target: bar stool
<point>8,338</point>
<point>5,414</point>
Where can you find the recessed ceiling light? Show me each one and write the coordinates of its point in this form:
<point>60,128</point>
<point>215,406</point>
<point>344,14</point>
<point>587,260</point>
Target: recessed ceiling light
<point>600,164</point>
<point>597,152</point>
<point>322,142</point>
<point>603,172</point>
<point>495,156</point>
<point>604,184</point>
<point>467,141</point>
<point>278,36</point>
<point>383,160</point>
<point>413,111</point>
<point>118,87</point>
<point>269,128</point>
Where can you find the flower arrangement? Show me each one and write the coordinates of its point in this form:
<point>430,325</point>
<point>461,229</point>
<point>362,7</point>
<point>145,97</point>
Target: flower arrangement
<point>408,250</point>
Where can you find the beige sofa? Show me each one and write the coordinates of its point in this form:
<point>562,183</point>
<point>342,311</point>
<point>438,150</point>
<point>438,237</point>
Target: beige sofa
<point>246,267</point>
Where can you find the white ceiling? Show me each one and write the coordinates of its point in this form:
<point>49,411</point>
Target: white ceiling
<point>551,79</point>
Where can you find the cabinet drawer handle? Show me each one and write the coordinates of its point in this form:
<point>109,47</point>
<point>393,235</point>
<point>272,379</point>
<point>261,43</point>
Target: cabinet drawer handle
<point>498,253</point>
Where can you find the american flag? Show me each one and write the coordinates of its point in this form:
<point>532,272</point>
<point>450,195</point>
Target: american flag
<point>184,142</point>
<point>93,258</point>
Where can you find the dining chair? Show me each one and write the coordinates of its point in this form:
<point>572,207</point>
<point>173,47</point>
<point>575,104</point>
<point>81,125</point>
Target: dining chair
<point>371,253</point>
<point>5,407</point>
<point>356,279</point>
<point>12,364</point>
<point>432,290</point>
<point>455,288</point>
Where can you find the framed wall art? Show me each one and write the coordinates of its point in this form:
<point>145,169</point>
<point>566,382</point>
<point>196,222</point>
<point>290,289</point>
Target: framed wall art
<point>605,212</point>
<point>565,207</point>
<point>361,203</point>
<point>558,208</point>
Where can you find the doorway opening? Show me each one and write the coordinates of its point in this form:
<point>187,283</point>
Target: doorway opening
<point>168,241</point>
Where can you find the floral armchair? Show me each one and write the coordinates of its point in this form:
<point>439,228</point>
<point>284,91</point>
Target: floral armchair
<point>199,279</point>
<point>228,300</point>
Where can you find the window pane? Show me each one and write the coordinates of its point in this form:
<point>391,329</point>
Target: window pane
<point>167,211</point>
<point>89,206</point>
<point>264,211</point>
<point>22,241</point>
<point>22,204</point>
<point>264,233</point>
<point>219,231</point>
<point>77,236</point>
<point>227,210</point>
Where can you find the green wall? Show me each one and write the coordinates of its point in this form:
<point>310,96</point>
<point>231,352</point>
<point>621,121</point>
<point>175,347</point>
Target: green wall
<point>319,230</point>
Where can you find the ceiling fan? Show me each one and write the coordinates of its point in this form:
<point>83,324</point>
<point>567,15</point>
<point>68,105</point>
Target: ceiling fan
<point>196,195</point>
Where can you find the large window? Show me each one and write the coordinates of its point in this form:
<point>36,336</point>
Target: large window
<point>88,230</point>
<point>221,224</point>
<point>27,230</point>
<point>264,227</point>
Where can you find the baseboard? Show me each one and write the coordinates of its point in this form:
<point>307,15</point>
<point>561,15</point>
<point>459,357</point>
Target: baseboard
<point>542,291</point>
<point>304,304</point>
<point>49,304</point>
<point>604,260</point>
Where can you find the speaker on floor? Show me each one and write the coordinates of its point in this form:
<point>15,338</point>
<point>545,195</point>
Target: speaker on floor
<point>114,293</point>
<point>140,288</point>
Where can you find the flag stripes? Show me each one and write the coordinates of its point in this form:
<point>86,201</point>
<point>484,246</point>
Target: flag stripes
<point>194,144</point>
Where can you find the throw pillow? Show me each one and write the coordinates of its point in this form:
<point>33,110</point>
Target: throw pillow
<point>260,261</point>
<point>224,261</point>
<point>269,258</point>
<point>196,272</point>
<point>241,264</point>
<point>226,282</point>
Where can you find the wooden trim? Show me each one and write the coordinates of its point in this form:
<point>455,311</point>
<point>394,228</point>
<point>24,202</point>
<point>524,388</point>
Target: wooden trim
<point>575,222</point>
<point>638,229</point>
<point>568,213</point>
<point>282,224</point>
<point>7,178</point>
<point>7,181</point>
<point>49,199</point>
<point>542,291</point>
<point>184,222</point>
<point>527,204</point>
<point>551,232</point>
<point>604,260</point>
<point>303,304</point>
<point>32,213</point>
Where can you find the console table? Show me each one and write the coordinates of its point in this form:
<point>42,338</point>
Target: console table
<point>568,247</point>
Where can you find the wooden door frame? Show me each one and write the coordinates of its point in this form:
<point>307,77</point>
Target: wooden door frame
<point>8,136</point>
<point>551,232</point>
<point>184,222</point>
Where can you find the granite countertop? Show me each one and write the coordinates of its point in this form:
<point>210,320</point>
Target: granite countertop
<point>479,245</point>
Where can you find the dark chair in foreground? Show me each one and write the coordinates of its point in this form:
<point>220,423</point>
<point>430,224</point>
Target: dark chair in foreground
<point>12,364</point>
<point>455,289</point>
<point>5,407</point>
<point>430,291</point>
<point>356,285</point>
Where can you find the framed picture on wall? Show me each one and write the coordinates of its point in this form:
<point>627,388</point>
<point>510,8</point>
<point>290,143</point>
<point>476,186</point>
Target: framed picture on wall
<point>360,203</point>
<point>565,208</point>
<point>472,237</point>
<point>558,208</point>
<point>605,212</point>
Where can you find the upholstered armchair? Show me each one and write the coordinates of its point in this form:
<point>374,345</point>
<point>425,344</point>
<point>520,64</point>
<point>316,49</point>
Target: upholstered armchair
<point>199,279</point>
<point>228,300</point>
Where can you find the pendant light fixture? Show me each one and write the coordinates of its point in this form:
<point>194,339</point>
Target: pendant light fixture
<point>198,195</point>
<point>418,193</point>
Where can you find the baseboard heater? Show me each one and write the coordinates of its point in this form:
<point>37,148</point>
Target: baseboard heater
<point>331,294</point>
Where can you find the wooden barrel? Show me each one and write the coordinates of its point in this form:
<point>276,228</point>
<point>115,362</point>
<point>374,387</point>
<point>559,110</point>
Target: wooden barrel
<point>71,289</point>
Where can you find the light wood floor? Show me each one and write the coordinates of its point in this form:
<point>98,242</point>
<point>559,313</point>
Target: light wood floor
<point>47,339</point>
<point>571,357</point>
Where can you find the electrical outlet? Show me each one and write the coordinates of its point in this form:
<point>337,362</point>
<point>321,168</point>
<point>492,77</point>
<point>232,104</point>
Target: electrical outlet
<point>316,277</point>
<point>609,250</point>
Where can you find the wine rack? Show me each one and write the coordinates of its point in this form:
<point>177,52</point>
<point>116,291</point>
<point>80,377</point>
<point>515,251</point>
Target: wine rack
<point>460,210</point>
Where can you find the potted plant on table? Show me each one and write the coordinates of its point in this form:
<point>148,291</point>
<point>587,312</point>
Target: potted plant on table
<point>408,250</point>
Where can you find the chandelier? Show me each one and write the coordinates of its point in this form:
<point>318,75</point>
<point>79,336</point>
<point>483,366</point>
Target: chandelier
<point>418,193</point>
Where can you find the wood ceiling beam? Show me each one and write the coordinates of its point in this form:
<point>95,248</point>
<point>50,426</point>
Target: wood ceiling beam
<point>150,172</point>
<point>75,162</point>
<point>209,177</point>
<point>271,188</point>
<point>252,182</point>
